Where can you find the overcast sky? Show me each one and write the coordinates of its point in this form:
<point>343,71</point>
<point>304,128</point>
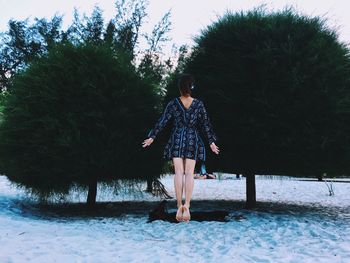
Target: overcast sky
<point>188,16</point>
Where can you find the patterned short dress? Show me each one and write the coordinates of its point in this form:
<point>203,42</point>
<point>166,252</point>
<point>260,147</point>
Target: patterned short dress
<point>185,140</point>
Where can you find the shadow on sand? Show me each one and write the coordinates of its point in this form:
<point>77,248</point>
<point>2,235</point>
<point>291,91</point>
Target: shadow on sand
<point>201,210</point>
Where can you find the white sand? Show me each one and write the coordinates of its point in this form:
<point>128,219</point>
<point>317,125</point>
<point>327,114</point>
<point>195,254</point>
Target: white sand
<point>313,227</point>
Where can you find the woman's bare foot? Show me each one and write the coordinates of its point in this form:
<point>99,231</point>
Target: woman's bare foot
<point>179,216</point>
<point>186,213</point>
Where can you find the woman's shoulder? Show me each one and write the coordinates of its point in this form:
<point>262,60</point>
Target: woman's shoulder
<point>199,101</point>
<point>173,100</point>
<point>170,102</point>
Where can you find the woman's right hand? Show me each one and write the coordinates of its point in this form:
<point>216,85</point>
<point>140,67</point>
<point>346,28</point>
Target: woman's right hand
<point>147,142</point>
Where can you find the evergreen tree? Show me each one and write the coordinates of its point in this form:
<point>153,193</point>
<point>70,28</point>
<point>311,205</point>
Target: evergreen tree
<point>24,43</point>
<point>276,86</point>
<point>77,116</point>
<point>151,66</point>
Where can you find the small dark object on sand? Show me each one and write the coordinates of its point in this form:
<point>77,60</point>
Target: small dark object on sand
<point>205,176</point>
<point>239,217</point>
<point>210,176</point>
<point>161,213</point>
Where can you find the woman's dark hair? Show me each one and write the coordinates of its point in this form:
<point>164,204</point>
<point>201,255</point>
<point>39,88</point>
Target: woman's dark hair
<point>185,83</point>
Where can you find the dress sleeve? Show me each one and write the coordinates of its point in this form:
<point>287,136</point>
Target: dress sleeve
<point>162,121</point>
<point>206,126</point>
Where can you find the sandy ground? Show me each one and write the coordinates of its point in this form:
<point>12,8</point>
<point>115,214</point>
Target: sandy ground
<point>296,221</point>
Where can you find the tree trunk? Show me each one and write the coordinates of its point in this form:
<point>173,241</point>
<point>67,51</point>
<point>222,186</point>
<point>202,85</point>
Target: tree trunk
<point>320,177</point>
<point>91,198</point>
<point>250,190</point>
<point>149,185</point>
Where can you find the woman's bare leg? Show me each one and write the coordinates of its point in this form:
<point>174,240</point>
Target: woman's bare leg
<point>178,183</point>
<point>189,184</point>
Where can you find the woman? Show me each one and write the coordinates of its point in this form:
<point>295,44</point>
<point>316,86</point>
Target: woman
<point>185,146</point>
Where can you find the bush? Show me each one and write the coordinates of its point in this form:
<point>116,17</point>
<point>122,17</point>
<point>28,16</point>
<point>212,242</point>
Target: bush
<point>276,86</point>
<point>75,117</point>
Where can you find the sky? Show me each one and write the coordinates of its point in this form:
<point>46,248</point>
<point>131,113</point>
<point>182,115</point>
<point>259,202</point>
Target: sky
<point>188,17</point>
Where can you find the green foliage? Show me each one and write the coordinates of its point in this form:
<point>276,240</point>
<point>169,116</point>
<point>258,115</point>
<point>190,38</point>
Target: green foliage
<point>129,19</point>
<point>23,42</point>
<point>3,97</point>
<point>78,113</point>
<point>276,86</point>
<point>83,99</point>
<point>151,66</point>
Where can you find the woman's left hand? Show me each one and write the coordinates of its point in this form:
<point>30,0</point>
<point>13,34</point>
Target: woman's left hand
<point>214,148</point>
<point>147,142</point>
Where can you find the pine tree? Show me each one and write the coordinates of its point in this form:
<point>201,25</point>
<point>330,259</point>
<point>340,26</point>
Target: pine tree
<point>77,117</point>
<point>276,85</point>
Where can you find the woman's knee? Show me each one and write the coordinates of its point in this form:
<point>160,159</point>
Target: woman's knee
<point>179,170</point>
<point>178,166</point>
<point>189,168</point>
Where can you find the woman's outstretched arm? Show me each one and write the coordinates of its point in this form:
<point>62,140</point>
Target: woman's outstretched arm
<point>207,128</point>
<point>162,121</point>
